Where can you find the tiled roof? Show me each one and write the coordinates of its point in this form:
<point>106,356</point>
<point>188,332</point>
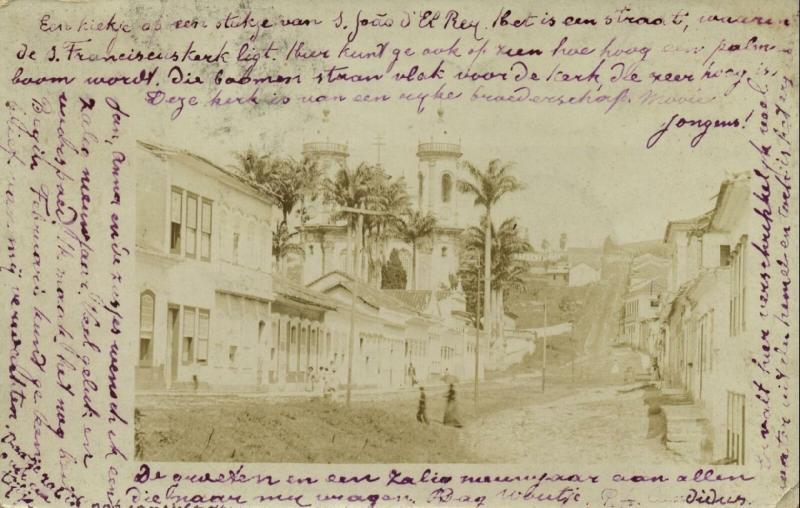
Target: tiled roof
<point>163,151</point>
<point>371,295</point>
<point>737,185</point>
<point>695,223</point>
<point>655,286</point>
<point>416,299</point>
<point>296,292</point>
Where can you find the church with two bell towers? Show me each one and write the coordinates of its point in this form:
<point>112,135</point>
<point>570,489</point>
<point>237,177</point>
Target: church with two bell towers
<point>432,189</point>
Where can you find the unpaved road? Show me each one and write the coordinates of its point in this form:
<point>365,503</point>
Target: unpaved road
<point>590,426</point>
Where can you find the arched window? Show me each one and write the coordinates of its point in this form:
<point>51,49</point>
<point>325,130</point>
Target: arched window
<point>147,307</point>
<point>447,187</point>
<point>421,185</point>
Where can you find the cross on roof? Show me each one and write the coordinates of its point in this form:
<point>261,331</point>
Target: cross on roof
<point>379,143</point>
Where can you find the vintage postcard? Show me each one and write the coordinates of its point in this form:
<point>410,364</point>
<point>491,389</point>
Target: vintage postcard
<point>394,254</point>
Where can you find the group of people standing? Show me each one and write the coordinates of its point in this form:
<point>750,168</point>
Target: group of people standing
<point>323,381</point>
<point>451,417</point>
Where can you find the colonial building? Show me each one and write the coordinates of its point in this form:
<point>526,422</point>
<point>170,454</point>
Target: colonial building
<point>399,332</point>
<point>304,337</point>
<point>454,336</point>
<point>646,282</point>
<point>703,320</point>
<point>640,310</point>
<point>214,316</point>
<point>204,282</point>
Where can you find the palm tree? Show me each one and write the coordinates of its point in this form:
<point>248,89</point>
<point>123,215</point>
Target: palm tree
<point>288,181</point>
<point>390,197</point>
<point>507,267</point>
<point>487,187</point>
<point>253,164</point>
<point>282,245</point>
<point>507,245</point>
<point>349,188</point>
<point>412,227</point>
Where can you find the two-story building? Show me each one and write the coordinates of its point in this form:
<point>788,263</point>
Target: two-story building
<point>204,281</point>
<point>703,320</point>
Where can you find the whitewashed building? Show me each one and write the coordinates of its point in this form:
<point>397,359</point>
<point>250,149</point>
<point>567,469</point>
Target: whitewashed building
<point>704,319</point>
<point>582,274</point>
<point>214,316</point>
<point>204,283</point>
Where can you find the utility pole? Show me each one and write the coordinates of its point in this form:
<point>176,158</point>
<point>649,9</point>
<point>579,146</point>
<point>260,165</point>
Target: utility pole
<point>360,212</point>
<point>351,340</point>
<point>544,351</point>
<point>359,243</point>
<point>477,336</point>
<point>572,341</point>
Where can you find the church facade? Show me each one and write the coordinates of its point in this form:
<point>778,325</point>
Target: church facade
<point>431,187</point>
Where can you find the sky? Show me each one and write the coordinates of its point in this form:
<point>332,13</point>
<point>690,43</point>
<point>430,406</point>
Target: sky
<point>579,177</point>
<point>587,171</point>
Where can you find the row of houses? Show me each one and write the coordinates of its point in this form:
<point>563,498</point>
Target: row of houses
<point>213,314</point>
<point>647,279</point>
<point>690,313</point>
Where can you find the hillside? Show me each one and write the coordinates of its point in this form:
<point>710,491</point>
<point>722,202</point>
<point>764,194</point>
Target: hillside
<point>654,247</point>
<point>593,309</point>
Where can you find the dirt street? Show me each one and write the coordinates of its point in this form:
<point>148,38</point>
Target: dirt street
<point>596,417</point>
<point>592,426</point>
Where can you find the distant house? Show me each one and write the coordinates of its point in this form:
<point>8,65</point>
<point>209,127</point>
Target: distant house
<point>553,273</point>
<point>582,274</point>
<point>640,309</point>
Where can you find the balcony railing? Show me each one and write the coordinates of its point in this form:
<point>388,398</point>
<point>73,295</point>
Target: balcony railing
<point>439,149</point>
<point>325,148</point>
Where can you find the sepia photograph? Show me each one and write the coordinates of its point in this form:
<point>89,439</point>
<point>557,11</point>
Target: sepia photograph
<point>310,306</point>
<point>383,254</point>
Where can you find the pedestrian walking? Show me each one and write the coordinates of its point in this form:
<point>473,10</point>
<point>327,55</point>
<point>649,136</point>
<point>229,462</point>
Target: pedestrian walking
<point>656,371</point>
<point>334,385</point>
<point>422,414</point>
<point>451,417</point>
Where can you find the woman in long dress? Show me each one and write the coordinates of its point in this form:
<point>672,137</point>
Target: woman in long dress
<point>451,410</point>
